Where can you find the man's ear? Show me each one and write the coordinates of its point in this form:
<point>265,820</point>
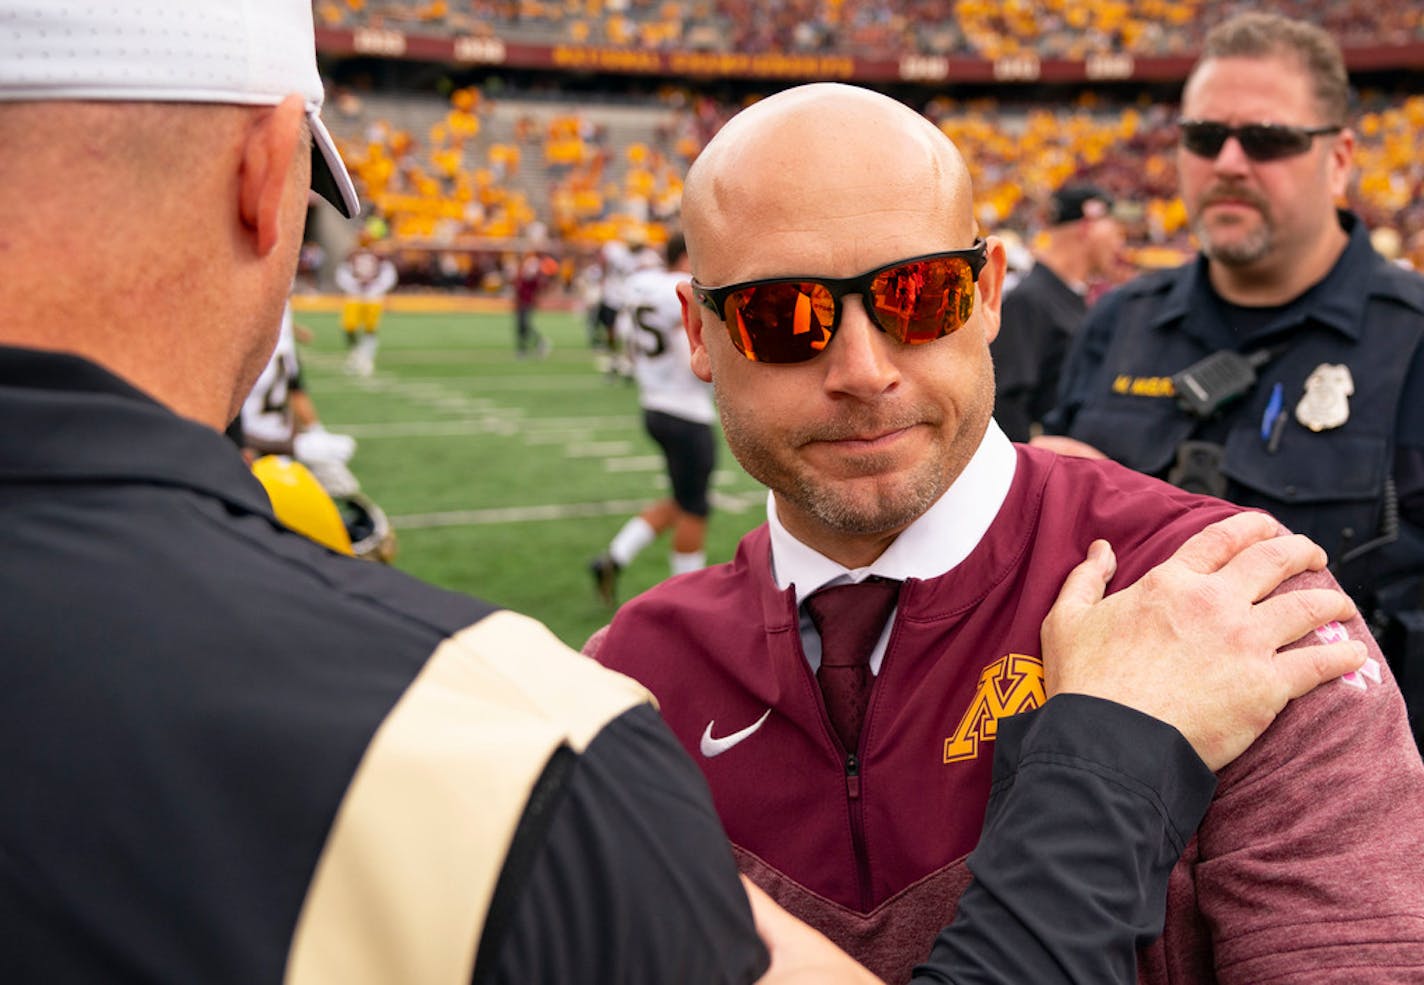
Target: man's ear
<point>991,286</point>
<point>267,157</point>
<point>1342,164</point>
<point>693,324</point>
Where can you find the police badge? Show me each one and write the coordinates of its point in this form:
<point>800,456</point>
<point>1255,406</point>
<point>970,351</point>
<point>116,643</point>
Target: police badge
<point>1326,402</point>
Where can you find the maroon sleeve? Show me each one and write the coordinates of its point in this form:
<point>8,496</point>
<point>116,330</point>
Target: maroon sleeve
<point>1310,863</point>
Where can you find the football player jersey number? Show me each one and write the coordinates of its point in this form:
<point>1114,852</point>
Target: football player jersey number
<point>274,400</point>
<point>655,344</point>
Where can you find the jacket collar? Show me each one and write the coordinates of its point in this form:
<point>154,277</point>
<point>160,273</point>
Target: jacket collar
<point>66,419</point>
<point>1337,301</point>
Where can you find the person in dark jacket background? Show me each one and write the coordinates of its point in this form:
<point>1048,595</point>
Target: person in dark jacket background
<point>1080,243</point>
<point>1313,404</point>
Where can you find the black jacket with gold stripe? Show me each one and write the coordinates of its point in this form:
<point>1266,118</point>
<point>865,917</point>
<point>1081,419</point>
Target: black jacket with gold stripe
<point>233,756</point>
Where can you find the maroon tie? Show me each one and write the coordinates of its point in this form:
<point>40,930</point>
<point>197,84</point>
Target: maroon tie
<point>850,619</point>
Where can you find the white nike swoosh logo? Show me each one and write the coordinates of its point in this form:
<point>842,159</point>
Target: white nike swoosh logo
<point>715,747</point>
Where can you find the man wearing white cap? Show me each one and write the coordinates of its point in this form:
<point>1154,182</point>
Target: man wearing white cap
<point>231,755</point>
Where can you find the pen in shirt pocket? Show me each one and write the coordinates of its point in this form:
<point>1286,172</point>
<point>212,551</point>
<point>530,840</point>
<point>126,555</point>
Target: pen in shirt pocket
<point>1273,421</point>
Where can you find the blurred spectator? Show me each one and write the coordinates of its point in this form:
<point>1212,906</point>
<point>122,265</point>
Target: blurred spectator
<point>310,262</point>
<point>531,276</point>
<point>1042,313</point>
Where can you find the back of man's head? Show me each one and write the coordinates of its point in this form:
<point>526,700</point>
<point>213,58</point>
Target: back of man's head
<point>676,250</point>
<point>1079,201</point>
<point>252,53</point>
<point>154,185</point>
<point>1262,35</point>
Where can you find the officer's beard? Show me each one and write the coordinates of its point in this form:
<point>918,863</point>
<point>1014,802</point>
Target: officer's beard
<point>1235,245</point>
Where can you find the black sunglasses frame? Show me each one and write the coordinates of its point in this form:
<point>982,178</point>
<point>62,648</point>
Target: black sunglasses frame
<point>714,299</point>
<point>1259,141</point>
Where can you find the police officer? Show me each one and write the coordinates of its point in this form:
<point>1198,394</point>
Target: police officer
<point>1312,403</point>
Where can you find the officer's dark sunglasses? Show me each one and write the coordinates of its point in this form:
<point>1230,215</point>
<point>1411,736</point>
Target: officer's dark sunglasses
<point>792,319</point>
<point>1260,141</point>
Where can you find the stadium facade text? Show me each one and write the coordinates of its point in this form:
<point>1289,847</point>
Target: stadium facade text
<point>930,69</point>
<point>482,51</point>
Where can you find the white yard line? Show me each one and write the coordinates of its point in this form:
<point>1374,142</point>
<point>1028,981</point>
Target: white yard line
<point>634,463</point>
<point>503,426</point>
<point>731,503</point>
<point>598,449</point>
<point>569,436</point>
<point>536,431</point>
<point>489,418</point>
<point>477,383</point>
<point>516,514</point>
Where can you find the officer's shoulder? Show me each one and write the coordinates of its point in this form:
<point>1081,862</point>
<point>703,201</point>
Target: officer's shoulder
<point>1402,284</point>
<point>1153,285</point>
<point>1154,282</point>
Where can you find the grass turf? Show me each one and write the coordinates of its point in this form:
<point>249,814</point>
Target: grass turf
<point>504,477</point>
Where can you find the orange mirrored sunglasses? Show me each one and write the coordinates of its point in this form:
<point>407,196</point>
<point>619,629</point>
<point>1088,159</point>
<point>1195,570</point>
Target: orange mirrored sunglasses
<point>792,319</point>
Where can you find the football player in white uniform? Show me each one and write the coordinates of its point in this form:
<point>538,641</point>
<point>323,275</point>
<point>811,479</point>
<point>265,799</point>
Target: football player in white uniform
<point>678,414</point>
<point>278,416</point>
<point>619,260</point>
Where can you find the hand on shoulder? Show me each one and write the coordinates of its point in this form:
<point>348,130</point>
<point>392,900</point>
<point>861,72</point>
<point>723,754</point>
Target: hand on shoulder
<point>1197,641</point>
<point>800,955</point>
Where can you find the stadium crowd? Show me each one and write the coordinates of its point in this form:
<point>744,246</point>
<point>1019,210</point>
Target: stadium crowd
<point>561,174</point>
<point>875,29</point>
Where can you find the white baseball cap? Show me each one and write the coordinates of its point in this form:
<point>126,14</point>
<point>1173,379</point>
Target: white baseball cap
<point>246,52</point>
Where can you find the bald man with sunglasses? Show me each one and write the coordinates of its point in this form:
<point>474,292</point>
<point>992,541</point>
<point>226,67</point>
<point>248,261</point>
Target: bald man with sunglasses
<point>1283,367</point>
<point>845,680</point>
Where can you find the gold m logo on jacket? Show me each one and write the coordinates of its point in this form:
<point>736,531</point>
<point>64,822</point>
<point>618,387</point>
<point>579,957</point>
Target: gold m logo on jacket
<point>1009,685</point>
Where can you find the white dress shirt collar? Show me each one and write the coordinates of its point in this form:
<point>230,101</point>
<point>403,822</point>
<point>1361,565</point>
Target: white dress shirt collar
<point>939,539</point>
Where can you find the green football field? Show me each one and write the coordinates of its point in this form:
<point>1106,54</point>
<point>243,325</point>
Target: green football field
<point>504,477</point>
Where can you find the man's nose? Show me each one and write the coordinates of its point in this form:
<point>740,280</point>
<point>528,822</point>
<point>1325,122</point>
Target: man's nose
<point>860,359</point>
<point>1231,159</point>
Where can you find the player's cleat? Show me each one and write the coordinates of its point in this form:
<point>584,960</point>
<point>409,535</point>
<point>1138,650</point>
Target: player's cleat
<point>605,577</point>
<point>360,364</point>
<point>361,359</point>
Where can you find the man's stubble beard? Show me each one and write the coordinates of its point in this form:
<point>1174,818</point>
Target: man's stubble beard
<point>837,504</point>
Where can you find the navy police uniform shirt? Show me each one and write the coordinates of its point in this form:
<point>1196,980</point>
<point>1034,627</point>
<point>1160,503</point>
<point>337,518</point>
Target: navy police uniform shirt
<point>1330,439</point>
<point>1336,414</point>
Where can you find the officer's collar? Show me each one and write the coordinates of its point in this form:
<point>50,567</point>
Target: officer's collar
<point>1336,301</point>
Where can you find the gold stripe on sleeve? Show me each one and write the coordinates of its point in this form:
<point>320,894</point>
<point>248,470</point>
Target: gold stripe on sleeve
<point>410,865</point>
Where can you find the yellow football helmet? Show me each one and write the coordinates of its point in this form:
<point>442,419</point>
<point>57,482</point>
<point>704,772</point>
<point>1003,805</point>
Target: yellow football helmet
<point>301,503</point>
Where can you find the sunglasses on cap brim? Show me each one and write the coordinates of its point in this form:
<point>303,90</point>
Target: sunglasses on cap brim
<point>793,319</point>
<point>1259,141</point>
